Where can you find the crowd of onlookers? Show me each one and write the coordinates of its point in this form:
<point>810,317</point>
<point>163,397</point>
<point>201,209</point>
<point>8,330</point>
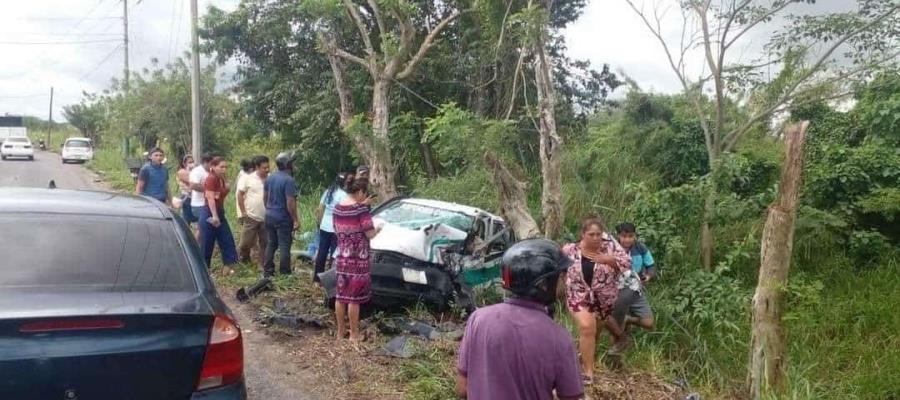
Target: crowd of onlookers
<point>510,350</point>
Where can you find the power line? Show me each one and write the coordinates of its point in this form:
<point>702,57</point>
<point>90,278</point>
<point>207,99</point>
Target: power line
<point>105,59</point>
<point>26,96</point>
<point>58,43</point>
<point>63,18</point>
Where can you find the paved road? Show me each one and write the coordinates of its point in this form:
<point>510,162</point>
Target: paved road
<point>45,167</point>
<point>270,372</point>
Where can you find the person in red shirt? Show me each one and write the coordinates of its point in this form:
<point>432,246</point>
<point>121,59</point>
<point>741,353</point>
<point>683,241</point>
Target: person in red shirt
<point>214,226</point>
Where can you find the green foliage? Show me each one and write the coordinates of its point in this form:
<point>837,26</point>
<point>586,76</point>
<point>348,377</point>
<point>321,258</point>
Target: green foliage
<point>879,107</point>
<point>868,247</point>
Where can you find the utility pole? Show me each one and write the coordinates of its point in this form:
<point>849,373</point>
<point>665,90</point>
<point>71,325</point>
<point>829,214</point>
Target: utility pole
<point>196,133</point>
<point>50,119</point>
<point>125,36</point>
<point>126,146</point>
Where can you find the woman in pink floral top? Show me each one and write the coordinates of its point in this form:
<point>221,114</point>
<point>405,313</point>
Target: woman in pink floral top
<point>598,259</point>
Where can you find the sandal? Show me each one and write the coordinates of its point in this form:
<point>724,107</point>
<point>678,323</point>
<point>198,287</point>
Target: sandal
<point>587,380</point>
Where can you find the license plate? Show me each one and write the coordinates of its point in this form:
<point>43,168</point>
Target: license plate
<point>414,276</point>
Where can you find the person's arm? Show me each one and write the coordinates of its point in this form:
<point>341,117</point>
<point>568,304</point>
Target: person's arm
<point>142,181</point>
<point>462,361</point>
<point>649,266</point>
<point>290,195</point>
<point>292,210</point>
<point>368,226</point>
<point>241,195</point>
<point>210,193</point>
<point>617,258</point>
<point>462,385</point>
<point>568,382</point>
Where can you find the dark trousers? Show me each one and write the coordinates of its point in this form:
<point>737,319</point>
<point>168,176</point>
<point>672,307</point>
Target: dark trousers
<point>210,235</point>
<point>327,244</point>
<point>280,235</point>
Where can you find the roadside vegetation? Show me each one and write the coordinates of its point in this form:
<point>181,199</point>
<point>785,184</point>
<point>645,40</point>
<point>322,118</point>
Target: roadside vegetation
<point>640,157</point>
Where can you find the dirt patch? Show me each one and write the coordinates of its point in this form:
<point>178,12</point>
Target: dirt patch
<point>611,385</point>
<point>335,369</point>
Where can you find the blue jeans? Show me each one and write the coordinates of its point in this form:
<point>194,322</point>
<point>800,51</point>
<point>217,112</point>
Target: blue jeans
<point>327,244</point>
<point>210,235</point>
<point>280,235</point>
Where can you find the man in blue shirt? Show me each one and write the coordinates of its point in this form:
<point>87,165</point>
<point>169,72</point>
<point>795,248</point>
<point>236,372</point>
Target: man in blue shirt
<point>153,179</point>
<point>281,215</point>
<point>632,307</point>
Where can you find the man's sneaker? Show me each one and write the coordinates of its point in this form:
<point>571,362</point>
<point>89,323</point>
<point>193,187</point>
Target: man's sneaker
<point>620,346</point>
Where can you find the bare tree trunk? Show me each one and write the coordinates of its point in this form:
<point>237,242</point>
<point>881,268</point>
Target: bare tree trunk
<point>767,347</point>
<point>706,235</point>
<point>381,166</point>
<point>513,207</point>
<point>428,157</point>
<point>551,143</point>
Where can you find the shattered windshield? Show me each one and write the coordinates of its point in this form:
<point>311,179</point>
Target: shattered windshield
<point>415,216</point>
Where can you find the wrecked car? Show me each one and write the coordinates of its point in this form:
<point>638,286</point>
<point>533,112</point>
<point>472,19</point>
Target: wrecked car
<point>431,251</point>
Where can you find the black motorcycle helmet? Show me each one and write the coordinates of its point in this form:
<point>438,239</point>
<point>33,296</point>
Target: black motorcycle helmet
<point>285,160</point>
<point>529,263</point>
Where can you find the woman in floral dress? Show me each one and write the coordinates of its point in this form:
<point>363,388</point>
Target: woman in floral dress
<point>354,228</point>
<point>592,286</point>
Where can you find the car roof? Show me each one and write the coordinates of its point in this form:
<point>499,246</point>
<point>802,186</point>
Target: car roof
<point>79,202</point>
<point>17,137</point>
<point>79,138</point>
<point>443,205</point>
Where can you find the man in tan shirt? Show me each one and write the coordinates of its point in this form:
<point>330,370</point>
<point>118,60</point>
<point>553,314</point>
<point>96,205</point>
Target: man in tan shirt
<point>252,207</point>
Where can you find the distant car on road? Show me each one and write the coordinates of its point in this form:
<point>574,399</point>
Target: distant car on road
<point>16,147</point>
<point>77,149</point>
<point>106,296</point>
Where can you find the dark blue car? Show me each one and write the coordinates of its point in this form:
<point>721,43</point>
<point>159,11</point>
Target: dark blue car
<point>106,296</point>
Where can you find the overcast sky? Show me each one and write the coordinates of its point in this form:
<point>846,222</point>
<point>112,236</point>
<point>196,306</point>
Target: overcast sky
<point>76,46</point>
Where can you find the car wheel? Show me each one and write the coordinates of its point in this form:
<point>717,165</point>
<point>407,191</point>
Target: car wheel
<point>4,158</point>
<point>30,158</point>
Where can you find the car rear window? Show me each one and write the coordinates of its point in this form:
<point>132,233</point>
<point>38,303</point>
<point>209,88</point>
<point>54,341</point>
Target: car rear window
<point>78,143</point>
<point>88,253</point>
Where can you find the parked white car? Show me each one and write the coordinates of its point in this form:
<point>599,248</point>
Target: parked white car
<point>77,149</point>
<point>16,147</point>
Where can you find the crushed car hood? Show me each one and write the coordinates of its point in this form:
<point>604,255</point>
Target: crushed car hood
<point>423,243</point>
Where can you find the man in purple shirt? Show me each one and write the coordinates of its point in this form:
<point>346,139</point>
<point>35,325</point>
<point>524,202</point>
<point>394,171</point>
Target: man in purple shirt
<point>514,350</point>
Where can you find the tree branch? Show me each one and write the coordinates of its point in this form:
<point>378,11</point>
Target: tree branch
<point>789,94</point>
<point>753,23</point>
<point>426,45</point>
<point>353,9</point>
<point>350,57</point>
<point>378,17</point>
<point>715,70</point>
<point>679,72</point>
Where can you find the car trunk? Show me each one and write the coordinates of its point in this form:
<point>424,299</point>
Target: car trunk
<point>146,345</point>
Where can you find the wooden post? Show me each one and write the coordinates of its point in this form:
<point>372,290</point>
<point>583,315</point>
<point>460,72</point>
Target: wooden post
<point>767,347</point>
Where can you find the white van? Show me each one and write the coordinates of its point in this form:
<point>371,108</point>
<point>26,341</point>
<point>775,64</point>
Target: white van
<point>78,150</point>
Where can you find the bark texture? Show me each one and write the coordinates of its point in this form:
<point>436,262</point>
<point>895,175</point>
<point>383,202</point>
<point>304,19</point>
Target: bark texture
<point>512,199</point>
<point>551,143</point>
<point>767,346</point>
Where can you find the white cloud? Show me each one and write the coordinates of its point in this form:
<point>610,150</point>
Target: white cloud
<point>611,32</point>
<point>158,29</point>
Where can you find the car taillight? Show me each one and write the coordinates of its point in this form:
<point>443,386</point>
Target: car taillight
<point>224,360</point>
<point>27,146</point>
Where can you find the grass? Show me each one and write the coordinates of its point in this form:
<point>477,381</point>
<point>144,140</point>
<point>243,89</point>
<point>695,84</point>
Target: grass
<point>841,323</point>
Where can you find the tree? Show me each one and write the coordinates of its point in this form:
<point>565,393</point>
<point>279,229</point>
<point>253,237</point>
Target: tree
<point>389,35</point>
<point>550,140</point>
<point>806,50</point>
<point>87,117</point>
<point>767,345</point>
